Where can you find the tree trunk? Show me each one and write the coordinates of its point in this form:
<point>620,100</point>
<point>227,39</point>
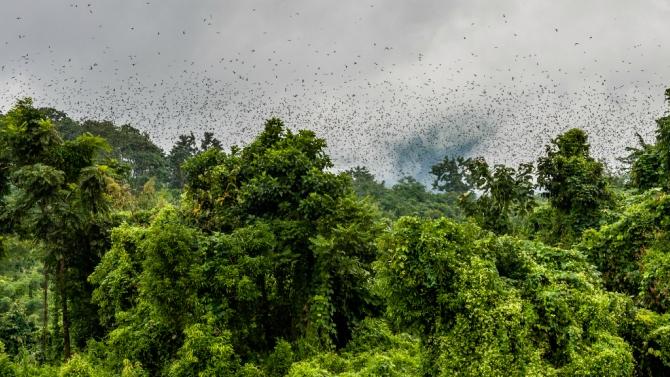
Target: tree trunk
<point>45,312</point>
<point>66,318</point>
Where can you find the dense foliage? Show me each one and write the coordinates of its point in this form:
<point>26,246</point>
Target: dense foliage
<point>406,197</point>
<point>504,194</point>
<point>263,260</point>
<point>488,305</point>
<point>575,184</point>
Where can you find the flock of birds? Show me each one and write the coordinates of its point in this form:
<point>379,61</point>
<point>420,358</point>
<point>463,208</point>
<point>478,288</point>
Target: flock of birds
<point>393,102</point>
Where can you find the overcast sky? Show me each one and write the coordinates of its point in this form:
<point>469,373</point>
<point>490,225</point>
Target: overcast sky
<point>393,85</point>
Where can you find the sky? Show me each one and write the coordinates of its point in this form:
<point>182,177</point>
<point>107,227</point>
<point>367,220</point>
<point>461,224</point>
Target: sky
<point>392,85</point>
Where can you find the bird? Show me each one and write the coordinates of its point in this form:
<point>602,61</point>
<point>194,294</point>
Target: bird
<point>390,101</point>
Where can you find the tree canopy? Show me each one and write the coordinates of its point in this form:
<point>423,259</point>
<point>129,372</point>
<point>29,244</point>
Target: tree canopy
<point>265,260</point>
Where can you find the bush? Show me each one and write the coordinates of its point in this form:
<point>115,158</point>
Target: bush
<point>6,367</point>
<point>279,362</point>
<point>133,369</point>
<point>206,352</point>
<point>77,366</point>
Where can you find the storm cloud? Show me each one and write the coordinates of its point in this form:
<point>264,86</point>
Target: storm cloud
<point>393,85</point>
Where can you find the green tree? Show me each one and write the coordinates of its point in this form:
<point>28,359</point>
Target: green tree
<point>492,306</point>
<point>135,152</point>
<point>374,351</point>
<point>267,245</point>
<point>650,164</point>
<point>209,141</point>
<point>649,334</point>
<point>323,236</point>
<point>77,366</point>
<point>632,253</point>
<point>20,304</point>
<point>663,141</point>
<point>503,194</point>
<point>59,199</point>
<point>645,166</point>
<point>183,149</point>
<point>575,184</point>
<point>450,175</point>
<point>365,184</point>
<point>207,352</point>
<point>406,197</point>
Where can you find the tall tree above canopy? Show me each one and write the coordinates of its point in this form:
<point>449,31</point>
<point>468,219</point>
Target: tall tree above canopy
<point>324,234</point>
<point>573,181</point>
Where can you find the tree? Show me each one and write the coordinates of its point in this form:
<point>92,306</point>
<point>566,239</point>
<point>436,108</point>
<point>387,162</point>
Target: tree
<point>504,194</point>
<point>632,256</point>
<point>206,352</point>
<point>267,245</point>
<point>631,251</point>
<point>135,152</point>
<point>133,148</point>
<point>407,197</point>
<point>450,175</point>
<point>60,200</point>
<point>365,184</point>
<point>485,305</point>
<point>323,236</point>
<point>209,141</point>
<point>574,182</point>
<point>646,169</point>
<point>650,164</point>
<point>663,142</point>
<point>183,149</point>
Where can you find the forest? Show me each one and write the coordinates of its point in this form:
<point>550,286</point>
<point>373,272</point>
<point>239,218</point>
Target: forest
<point>120,259</point>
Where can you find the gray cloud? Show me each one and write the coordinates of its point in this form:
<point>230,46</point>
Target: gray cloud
<point>387,83</point>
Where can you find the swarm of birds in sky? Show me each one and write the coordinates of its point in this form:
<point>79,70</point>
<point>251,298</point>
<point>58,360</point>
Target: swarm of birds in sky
<point>391,85</point>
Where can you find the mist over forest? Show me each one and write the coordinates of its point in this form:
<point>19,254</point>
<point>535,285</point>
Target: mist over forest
<point>351,188</point>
